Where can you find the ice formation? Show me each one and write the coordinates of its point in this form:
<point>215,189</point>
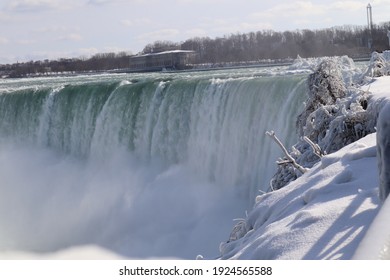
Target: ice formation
<point>335,115</point>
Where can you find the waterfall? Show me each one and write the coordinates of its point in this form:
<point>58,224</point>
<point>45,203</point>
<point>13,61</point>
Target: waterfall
<point>126,150</point>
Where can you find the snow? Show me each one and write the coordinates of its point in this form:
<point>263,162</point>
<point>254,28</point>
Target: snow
<point>324,214</point>
<point>376,243</point>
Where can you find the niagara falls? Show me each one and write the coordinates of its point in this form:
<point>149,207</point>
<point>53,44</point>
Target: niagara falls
<point>150,133</point>
<point>122,160</point>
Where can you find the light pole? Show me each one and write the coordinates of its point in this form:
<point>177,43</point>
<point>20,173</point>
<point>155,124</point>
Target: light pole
<point>370,25</point>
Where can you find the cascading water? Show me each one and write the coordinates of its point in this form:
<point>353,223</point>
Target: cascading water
<point>146,165</point>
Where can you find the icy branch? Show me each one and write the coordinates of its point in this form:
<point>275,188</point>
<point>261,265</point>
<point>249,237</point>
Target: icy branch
<point>290,159</point>
<point>282,162</point>
<point>316,149</point>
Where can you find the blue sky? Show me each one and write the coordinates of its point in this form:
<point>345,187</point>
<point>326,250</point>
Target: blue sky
<point>40,29</point>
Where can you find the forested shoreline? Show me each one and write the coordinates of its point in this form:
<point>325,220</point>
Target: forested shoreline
<point>354,41</point>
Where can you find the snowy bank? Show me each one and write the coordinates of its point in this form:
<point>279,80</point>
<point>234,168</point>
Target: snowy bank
<point>326,212</point>
<point>376,243</point>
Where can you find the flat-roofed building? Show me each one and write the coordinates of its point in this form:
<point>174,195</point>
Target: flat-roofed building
<point>170,60</point>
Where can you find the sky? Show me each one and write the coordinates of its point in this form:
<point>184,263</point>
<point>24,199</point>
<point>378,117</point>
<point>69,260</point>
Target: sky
<point>52,29</point>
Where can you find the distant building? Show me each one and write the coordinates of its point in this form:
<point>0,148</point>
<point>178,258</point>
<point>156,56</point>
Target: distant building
<point>170,60</point>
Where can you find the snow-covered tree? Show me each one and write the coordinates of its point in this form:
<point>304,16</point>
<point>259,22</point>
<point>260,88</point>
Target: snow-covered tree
<point>334,116</point>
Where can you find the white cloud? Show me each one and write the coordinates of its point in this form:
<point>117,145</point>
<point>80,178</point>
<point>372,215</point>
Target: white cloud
<point>219,26</point>
<point>163,34</point>
<point>127,22</point>
<point>347,6</point>
<point>32,5</point>
<point>113,49</point>
<point>379,2</point>
<point>56,29</point>
<point>4,17</point>
<point>53,54</point>
<point>380,10</point>
<point>3,41</point>
<point>291,9</point>
<point>98,2</point>
<point>70,37</point>
<point>109,2</point>
<point>84,52</point>
<point>310,14</point>
<point>308,8</point>
<point>253,26</point>
<point>26,42</point>
<point>196,32</point>
<point>199,1</point>
<point>29,6</point>
<point>88,50</point>
<point>136,22</point>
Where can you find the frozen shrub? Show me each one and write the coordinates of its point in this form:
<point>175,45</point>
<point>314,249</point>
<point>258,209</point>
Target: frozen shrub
<point>325,87</point>
<point>334,116</point>
<point>379,65</point>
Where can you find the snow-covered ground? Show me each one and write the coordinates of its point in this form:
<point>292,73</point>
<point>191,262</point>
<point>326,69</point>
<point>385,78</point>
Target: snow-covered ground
<point>324,214</point>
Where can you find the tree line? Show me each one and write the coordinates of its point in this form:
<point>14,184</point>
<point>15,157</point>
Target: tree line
<point>354,41</point>
<point>98,62</point>
<point>347,40</point>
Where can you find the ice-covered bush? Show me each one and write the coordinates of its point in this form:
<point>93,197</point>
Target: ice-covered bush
<point>325,87</point>
<point>334,116</point>
<point>379,65</point>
